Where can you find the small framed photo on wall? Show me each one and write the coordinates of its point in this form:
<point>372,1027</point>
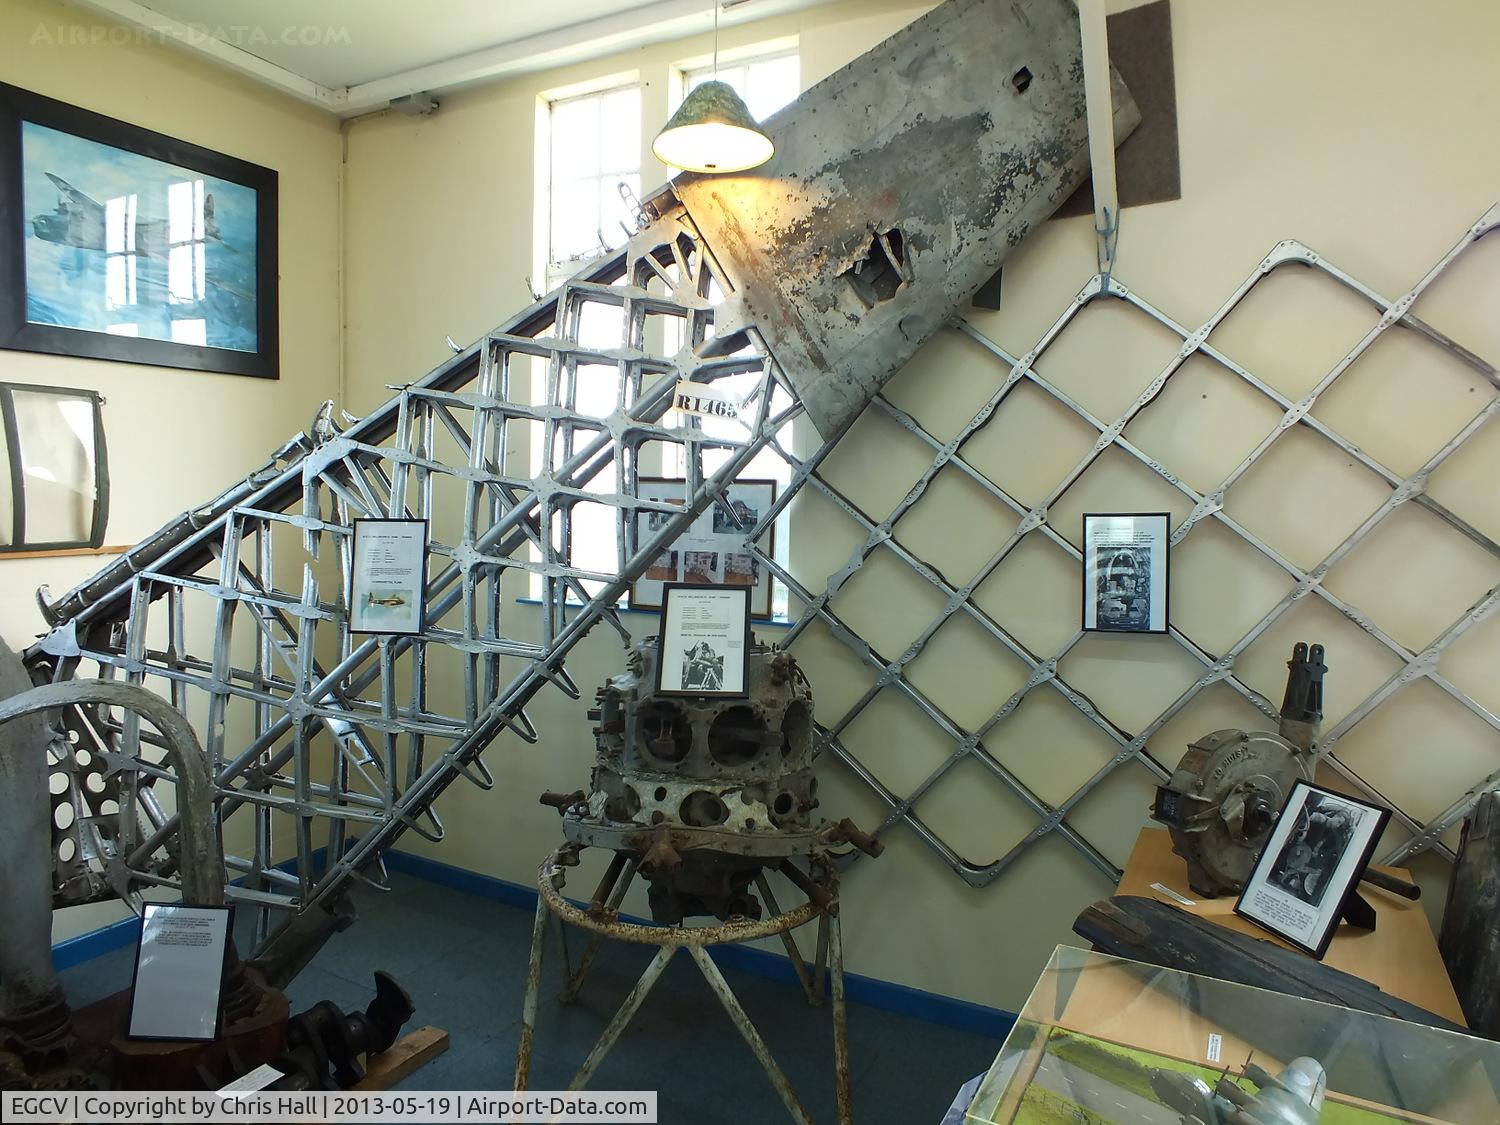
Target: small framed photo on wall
<point>714,548</point>
<point>1125,572</point>
<point>705,641</point>
<point>388,577</point>
<point>1311,864</point>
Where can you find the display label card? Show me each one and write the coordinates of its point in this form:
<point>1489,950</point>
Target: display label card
<point>1311,863</point>
<point>388,586</point>
<point>179,972</point>
<point>705,641</point>
<point>1125,572</point>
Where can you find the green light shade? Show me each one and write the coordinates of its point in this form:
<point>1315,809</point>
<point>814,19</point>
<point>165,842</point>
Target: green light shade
<point>712,131</point>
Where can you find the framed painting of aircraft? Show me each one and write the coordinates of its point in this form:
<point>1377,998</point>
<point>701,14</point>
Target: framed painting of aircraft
<point>120,243</point>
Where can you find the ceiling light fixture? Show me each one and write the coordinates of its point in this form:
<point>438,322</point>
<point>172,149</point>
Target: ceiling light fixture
<point>713,131</point>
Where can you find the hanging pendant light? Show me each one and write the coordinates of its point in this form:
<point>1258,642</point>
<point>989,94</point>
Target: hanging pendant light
<point>713,131</point>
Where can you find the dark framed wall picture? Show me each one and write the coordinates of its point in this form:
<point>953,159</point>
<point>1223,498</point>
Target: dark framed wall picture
<point>1311,864</point>
<point>1125,572</point>
<point>120,243</point>
<point>705,641</point>
<point>712,550</point>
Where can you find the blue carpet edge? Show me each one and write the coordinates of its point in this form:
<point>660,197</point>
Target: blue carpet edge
<point>930,1007</point>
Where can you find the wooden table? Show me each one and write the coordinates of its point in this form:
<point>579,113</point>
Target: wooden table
<point>1400,956</point>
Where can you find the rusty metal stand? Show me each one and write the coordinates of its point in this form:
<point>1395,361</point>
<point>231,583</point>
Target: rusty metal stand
<point>601,919</point>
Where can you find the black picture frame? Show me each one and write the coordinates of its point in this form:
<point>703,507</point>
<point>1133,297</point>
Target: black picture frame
<point>636,598</point>
<point>99,519</point>
<point>1093,622</point>
<point>1334,894</point>
<point>354,571</point>
<point>17,333</point>
<point>740,689</point>
<point>135,976</point>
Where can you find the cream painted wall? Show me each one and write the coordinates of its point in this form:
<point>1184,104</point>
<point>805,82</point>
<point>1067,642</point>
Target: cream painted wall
<point>176,437</point>
<point>1297,120</point>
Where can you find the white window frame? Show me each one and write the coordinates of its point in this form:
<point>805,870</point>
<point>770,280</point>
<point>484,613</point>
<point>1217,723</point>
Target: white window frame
<point>554,270</point>
<point>745,57</point>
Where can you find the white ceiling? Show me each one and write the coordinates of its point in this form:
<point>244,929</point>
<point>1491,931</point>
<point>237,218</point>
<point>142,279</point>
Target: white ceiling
<point>370,39</point>
<point>353,56</point>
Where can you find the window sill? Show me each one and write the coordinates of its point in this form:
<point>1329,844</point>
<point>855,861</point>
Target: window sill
<point>774,622</point>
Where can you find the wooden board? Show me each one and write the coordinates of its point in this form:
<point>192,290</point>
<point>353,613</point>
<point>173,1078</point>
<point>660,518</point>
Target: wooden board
<point>404,1056</point>
<point>1400,956</point>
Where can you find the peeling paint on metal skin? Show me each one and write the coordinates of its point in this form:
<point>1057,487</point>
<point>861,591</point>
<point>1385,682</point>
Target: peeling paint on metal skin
<point>963,131</point>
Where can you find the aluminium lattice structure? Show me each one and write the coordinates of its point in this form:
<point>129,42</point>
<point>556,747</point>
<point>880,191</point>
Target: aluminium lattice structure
<point>320,739</point>
<point>323,741</point>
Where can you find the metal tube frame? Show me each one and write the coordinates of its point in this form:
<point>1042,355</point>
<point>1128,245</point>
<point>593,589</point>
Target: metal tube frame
<point>310,730</point>
<point>605,924</point>
<point>1218,668</point>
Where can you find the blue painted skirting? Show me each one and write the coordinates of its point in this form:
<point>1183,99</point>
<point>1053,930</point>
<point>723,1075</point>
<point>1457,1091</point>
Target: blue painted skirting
<point>95,943</point>
<point>117,935</point>
<point>929,1006</point>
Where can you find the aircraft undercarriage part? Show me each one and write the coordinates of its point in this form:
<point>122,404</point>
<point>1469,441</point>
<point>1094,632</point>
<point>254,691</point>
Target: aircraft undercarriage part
<point>703,794</point>
<point>319,1049</point>
<point>325,1048</point>
<point>817,883</point>
<point>35,1035</point>
<point>1225,795</point>
<point>1470,941</point>
<point>42,1038</point>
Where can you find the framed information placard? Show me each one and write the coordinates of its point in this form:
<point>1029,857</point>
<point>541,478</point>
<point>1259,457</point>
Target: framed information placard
<point>388,583</point>
<point>712,549</point>
<point>179,972</point>
<point>705,641</point>
<point>1311,864</point>
<point>1125,573</point>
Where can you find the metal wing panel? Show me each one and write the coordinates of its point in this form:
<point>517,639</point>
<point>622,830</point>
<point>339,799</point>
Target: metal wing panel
<point>899,185</point>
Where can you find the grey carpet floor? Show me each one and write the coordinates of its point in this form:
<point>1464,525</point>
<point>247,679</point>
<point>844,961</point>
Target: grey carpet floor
<point>463,959</point>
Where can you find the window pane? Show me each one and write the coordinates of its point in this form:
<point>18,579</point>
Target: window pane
<point>766,84</point>
<point>613,210</point>
<point>575,218</point>
<point>575,138</point>
<point>620,131</point>
<point>772,84</point>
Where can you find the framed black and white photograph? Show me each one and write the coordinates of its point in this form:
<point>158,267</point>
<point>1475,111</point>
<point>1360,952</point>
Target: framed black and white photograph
<point>1311,864</point>
<point>120,243</point>
<point>1125,573</point>
<point>705,641</point>
<point>388,579</point>
<point>712,550</point>
<point>180,963</point>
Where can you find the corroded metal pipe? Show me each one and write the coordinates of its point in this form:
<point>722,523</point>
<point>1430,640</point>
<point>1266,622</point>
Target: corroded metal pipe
<point>33,1012</point>
<point>25,840</point>
<point>202,856</point>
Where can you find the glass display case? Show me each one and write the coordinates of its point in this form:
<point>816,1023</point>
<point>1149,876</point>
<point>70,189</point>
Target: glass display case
<point>1105,1041</point>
